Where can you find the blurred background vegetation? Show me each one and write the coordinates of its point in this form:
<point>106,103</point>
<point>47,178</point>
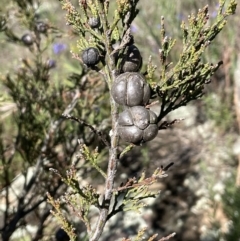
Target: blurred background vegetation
<point>200,198</point>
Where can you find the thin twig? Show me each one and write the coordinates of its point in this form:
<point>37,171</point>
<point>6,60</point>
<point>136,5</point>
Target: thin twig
<point>95,131</point>
<point>168,237</point>
<point>126,150</point>
<point>126,39</point>
<point>166,124</point>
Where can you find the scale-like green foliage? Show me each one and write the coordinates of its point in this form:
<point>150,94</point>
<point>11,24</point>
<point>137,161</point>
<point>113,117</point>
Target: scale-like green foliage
<point>52,119</point>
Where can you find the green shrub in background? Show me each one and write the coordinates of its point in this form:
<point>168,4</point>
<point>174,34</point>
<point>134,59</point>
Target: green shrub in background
<point>34,136</point>
<point>36,132</point>
<point>231,204</point>
<point>230,200</point>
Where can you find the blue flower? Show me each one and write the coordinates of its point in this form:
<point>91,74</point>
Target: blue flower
<point>51,63</point>
<point>59,47</point>
<point>180,17</point>
<point>134,28</point>
<point>214,13</point>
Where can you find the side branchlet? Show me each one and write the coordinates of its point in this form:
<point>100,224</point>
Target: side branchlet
<point>184,81</point>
